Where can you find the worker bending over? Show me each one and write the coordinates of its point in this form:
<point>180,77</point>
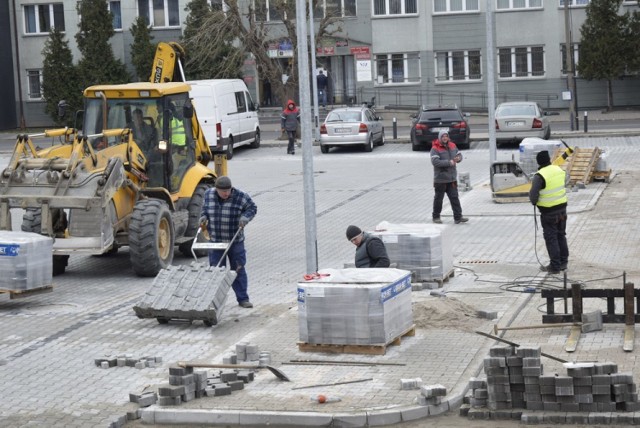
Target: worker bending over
<point>370,250</point>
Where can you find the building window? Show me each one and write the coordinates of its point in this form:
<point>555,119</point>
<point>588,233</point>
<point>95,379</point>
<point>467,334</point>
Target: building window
<point>519,4</point>
<point>573,3</point>
<point>521,62</point>
<point>448,6</point>
<point>40,18</point>
<point>114,8</point>
<point>34,77</point>
<point>397,68</point>
<point>458,65</point>
<point>563,57</point>
<point>160,13</point>
<point>394,7</point>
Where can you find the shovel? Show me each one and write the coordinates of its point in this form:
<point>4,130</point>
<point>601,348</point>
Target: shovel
<point>278,373</point>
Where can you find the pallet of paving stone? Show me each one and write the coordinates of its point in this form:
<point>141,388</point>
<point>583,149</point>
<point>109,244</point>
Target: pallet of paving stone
<point>375,349</point>
<point>195,292</point>
<point>445,278</point>
<point>16,294</point>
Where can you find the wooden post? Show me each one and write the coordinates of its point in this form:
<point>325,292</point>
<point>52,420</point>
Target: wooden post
<point>576,296</point>
<point>629,317</point>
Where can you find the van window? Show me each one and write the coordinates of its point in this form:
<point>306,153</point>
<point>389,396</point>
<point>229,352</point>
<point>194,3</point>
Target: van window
<point>240,102</point>
<point>252,106</point>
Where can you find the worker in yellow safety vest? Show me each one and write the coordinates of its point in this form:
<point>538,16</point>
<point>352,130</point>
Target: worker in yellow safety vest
<point>178,136</point>
<point>549,195</point>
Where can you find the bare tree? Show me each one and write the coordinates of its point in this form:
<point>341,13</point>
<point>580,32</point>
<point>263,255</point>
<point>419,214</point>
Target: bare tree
<point>246,21</point>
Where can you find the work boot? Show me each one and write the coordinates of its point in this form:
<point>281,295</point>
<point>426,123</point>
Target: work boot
<point>437,220</point>
<point>246,304</point>
<point>550,269</point>
<point>461,220</point>
<point>563,266</point>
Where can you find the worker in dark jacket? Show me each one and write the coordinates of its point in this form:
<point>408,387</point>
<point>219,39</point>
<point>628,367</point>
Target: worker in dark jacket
<point>289,122</point>
<point>549,195</point>
<point>370,251</point>
<point>444,158</point>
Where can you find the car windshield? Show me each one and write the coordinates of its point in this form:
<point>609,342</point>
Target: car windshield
<point>344,116</point>
<point>516,111</point>
<point>447,115</point>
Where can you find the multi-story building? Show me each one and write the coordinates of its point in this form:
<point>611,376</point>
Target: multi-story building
<point>404,52</point>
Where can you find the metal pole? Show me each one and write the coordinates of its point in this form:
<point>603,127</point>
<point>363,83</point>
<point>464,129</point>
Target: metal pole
<point>314,82</point>
<point>569,64</point>
<point>395,129</point>
<point>307,139</point>
<point>586,120</point>
<point>491,84</point>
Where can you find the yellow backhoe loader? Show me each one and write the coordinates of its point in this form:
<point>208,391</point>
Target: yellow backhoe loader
<point>134,174</point>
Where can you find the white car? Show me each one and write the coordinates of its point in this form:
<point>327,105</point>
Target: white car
<point>351,126</point>
<point>518,120</point>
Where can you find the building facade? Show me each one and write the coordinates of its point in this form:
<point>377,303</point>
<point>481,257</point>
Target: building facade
<point>403,52</point>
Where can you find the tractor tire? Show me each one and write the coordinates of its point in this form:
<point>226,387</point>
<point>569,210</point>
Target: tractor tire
<point>151,237</point>
<point>194,208</point>
<point>32,222</point>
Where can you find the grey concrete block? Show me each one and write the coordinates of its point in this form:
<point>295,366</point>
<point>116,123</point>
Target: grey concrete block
<point>236,385</point>
<point>489,315</point>
<point>499,361</point>
<point>409,384</point>
<point>148,399</point>
<point>228,376</point>
<point>104,364</point>
<point>601,389</point>
<point>433,391</point>
<point>133,415</point>
<point>166,390</point>
<point>528,352</point>
<point>621,378</point>
<point>230,359</point>
<point>588,407</point>
<point>480,393</point>
<point>583,381</point>
<point>188,396</point>
<point>349,420</point>
<point>514,361</point>
<point>531,418</point>
<point>478,402</point>
<point>500,351</point>
<point>479,414</point>
<point>464,410</point>
<point>437,409</point>
<point>550,407</point>
<point>591,321</point>
<point>285,419</point>
<point>498,379</point>
<point>584,398</point>
<point>180,371</point>
<point>599,417</point>
<point>121,362</point>
<point>194,416</point>
<point>532,371</point>
<point>535,405</point>
<point>531,362</point>
<point>455,401</point>
<point>246,376</point>
<point>569,407</point>
<point>577,418</point>
<point>413,413</point>
<point>222,389</point>
<point>605,368</point>
<point>140,365</point>
<point>169,401</point>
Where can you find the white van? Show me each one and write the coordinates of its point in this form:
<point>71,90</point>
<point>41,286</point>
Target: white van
<point>228,116</point>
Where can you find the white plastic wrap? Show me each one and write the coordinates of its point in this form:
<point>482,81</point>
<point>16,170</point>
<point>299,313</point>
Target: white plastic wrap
<point>25,260</point>
<point>529,149</point>
<point>355,306</point>
<point>424,249</point>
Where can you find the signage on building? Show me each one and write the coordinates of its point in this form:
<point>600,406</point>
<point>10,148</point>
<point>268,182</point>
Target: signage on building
<point>327,50</point>
<point>363,70</point>
<point>342,43</point>
<point>281,49</point>
<point>361,52</point>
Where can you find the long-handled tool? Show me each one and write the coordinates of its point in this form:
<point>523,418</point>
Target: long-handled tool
<point>212,245</point>
<point>499,339</point>
<point>196,364</point>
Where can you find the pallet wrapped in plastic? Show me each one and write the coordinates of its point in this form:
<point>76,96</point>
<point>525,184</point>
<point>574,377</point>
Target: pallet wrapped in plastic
<point>529,149</point>
<point>355,306</point>
<point>26,260</point>
<point>424,249</point>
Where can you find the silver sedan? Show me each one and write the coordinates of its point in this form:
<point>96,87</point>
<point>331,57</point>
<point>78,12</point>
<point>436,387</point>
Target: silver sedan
<point>518,120</point>
<point>351,126</point>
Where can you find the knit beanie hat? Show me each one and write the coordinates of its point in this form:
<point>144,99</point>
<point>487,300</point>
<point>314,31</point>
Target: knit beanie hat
<point>352,232</point>
<point>441,133</point>
<point>543,158</point>
<point>223,183</point>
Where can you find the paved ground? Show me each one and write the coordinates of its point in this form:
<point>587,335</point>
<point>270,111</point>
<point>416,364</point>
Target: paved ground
<point>49,342</point>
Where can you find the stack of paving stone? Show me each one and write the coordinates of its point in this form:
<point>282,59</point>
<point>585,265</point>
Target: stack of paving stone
<point>25,260</point>
<point>424,249</point>
<point>515,380</point>
<point>185,384</point>
<point>355,306</point>
<point>127,360</point>
<point>529,149</point>
<point>431,395</point>
<point>194,292</point>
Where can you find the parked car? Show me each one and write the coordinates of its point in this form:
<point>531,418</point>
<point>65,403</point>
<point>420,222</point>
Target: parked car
<point>518,120</point>
<point>351,126</point>
<point>429,121</point>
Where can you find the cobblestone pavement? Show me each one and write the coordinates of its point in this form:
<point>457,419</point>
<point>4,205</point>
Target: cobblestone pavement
<point>50,341</point>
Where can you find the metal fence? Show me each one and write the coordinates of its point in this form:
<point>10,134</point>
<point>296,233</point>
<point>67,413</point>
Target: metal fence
<point>413,99</point>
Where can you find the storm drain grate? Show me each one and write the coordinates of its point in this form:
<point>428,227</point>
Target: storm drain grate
<point>478,262</point>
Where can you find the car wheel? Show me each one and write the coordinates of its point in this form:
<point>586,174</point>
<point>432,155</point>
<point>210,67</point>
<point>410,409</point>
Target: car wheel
<point>547,134</point>
<point>369,145</point>
<point>256,141</point>
<point>324,149</point>
<point>381,143</point>
<point>230,149</point>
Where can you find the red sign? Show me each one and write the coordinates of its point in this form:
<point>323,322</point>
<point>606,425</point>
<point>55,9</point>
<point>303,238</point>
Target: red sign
<point>327,50</point>
<point>361,52</point>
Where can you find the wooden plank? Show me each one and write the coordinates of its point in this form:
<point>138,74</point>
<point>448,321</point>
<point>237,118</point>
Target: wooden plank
<point>629,338</point>
<point>16,294</point>
<point>572,340</point>
<point>373,349</point>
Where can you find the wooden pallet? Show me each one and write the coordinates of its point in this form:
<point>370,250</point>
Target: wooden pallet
<point>376,349</point>
<point>602,176</point>
<point>16,294</point>
<point>581,165</point>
